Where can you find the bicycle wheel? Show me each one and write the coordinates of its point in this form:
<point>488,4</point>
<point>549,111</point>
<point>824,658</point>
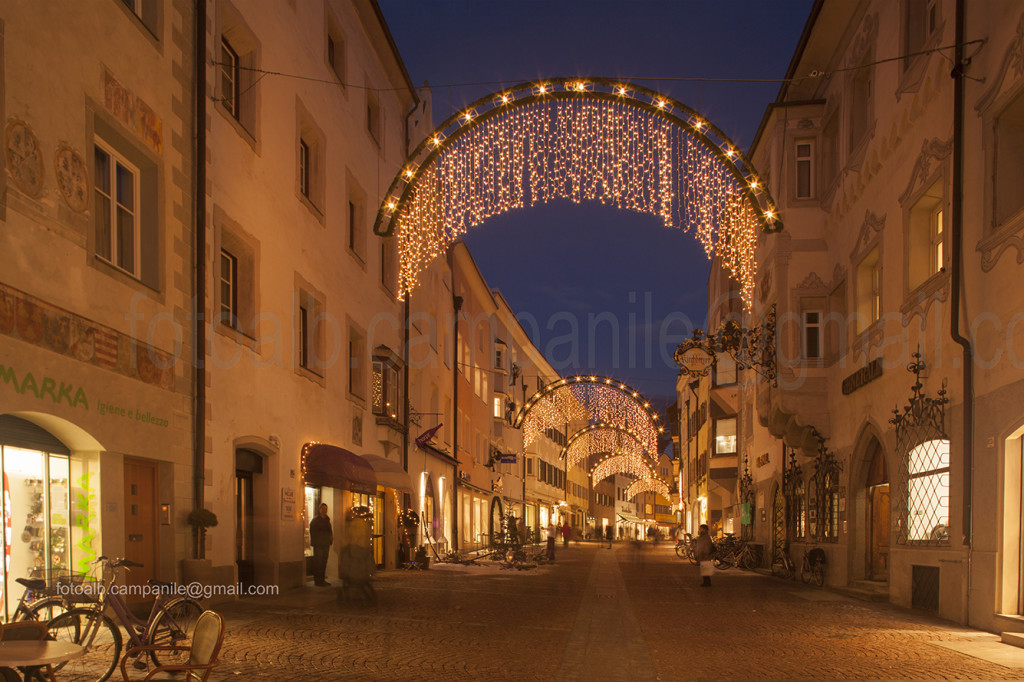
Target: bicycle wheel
<point>681,551</point>
<point>805,571</point>
<point>818,573</point>
<point>44,610</point>
<point>100,637</point>
<point>174,624</point>
<point>781,569</point>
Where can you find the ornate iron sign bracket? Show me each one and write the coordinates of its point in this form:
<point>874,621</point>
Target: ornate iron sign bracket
<point>749,348</point>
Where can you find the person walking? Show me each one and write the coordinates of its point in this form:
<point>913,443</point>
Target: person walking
<point>321,537</point>
<point>608,535</point>
<point>704,550</point>
<point>566,533</point>
<point>552,530</point>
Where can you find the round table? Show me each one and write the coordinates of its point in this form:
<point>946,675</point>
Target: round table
<point>36,654</point>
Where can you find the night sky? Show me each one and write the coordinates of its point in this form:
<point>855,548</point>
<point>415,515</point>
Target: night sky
<point>562,265</point>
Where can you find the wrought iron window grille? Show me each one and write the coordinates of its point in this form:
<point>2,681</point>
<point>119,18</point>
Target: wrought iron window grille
<point>921,503</point>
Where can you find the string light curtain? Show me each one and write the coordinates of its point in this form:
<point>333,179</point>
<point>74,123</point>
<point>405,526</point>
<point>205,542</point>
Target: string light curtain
<point>598,438</point>
<point>621,464</point>
<point>647,485</point>
<point>622,146</point>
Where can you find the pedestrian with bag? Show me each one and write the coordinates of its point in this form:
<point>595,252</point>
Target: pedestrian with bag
<point>704,550</point>
<point>321,537</point>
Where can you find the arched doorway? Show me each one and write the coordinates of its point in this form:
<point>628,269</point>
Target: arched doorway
<point>877,485</point>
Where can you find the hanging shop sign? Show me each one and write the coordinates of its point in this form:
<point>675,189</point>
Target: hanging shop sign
<point>862,377</point>
<point>695,361</point>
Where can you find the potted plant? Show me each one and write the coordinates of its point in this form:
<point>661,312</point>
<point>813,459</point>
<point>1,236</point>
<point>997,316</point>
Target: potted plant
<point>201,519</point>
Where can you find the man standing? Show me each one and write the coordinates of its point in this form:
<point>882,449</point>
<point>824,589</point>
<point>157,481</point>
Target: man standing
<point>321,537</point>
<point>704,550</point>
<point>608,535</point>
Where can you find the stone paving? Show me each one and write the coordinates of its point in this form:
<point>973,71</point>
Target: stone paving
<point>597,614</point>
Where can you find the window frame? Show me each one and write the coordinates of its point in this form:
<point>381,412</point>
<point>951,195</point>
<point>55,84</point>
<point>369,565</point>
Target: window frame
<point>228,314</point>
<point>818,327</point>
<point>387,385</point>
<point>230,72</point>
<point>868,292</point>
<point>718,438</point>
<point>116,159</point>
<point>800,161</point>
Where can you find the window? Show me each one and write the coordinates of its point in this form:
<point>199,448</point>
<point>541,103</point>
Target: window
<point>812,335</point>
<point>304,168</point>
<point>148,12</point>
<point>861,100</point>
<point>830,152</point>
<point>388,271</point>
<point>928,492</point>
<point>725,436</point>
<point>309,331</point>
<point>352,223</point>
<point>499,356</point>
<point>303,336</point>
<point>230,78</point>
<point>869,296</point>
<point>228,289</point>
<point>804,169</point>
<point>373,115</point>
<point>725,370</point>
<point>356,221</point>
<point>336,51</point>
<point>921,23</point>
<point>239,80</point>
<point>386,391</point>
<point>1009,161</point>
<point>309,144</point>
<point>499,407</point>
<point>925,237</point>
<point>117,203</point>
<point>357,357</point>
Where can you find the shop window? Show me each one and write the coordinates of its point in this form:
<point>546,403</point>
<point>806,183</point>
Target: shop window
<point>830,508</point>
<point>725,436</point>
<point>869,290</point>
<point>1009,161</point>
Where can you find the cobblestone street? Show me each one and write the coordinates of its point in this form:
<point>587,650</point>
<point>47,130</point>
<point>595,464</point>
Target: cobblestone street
<point>625,614</point>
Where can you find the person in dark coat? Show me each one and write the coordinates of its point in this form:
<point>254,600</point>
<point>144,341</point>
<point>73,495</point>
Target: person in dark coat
<point>321,537</point>
<point>704,550</point>
<point>608,535</point>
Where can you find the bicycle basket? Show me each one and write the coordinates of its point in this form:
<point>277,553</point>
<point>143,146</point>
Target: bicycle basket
<point>816,556</point>
<point>78,588</point>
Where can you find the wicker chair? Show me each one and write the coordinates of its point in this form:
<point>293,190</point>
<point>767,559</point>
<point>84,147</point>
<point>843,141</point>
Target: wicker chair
<point>207,639</point>
<point>22,631</point>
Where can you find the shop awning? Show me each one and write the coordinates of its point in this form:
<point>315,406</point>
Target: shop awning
<point>334,467</point>
<point>630,518</point>
<point>390,474</point>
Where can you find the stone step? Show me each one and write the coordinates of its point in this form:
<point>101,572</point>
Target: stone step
<point>1014,638</point>
<point>866,590</point>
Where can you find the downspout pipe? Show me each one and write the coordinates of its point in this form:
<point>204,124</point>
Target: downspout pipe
<point>956,276</point>
<point>199,285</point>
<point>456,307</point>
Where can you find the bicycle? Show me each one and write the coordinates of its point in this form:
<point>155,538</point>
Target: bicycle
<point>170,623</point>
<point>746,558</point>
<point>684,549</point>
<point>813,567</point>
<point>784,567</point>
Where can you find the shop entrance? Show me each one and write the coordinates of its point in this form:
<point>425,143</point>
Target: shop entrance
<point>140,520</point>
<point>248,464</point>
<point>878,515</point>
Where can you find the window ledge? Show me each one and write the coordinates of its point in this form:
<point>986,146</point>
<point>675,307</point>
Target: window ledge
<point>920,298</point>
<point>239,127</point>
<point>390,422</point>
<point>312,207</point>
<point>236,335</point>
<point>360,261</point>
<point>311,375</point>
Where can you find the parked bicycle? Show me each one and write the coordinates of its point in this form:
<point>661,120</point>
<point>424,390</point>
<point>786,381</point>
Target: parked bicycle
<point>813,567</point>
<point>725,553</point>
<point>783,566</point>
<point>171,622</point>
<point>684,549</point>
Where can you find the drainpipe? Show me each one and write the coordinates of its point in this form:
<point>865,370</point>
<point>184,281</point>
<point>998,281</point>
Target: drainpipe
<point>199,285</point>
<point>456,306</point>
<point>955,285</point>
<point>956,267</point>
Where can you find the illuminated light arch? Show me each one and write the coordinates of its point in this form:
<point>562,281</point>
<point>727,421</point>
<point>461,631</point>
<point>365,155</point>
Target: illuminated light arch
<point>647,485</point>
<point>593,139</point>
<point>585,399</point>
<point>616,463</point>
<point>598,438</point>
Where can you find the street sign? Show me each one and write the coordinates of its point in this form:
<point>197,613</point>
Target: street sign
<point>508,458</point>
<point>695,361</point>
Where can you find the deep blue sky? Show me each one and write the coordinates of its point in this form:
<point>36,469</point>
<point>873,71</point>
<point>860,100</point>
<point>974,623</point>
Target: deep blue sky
<point>561,263</point>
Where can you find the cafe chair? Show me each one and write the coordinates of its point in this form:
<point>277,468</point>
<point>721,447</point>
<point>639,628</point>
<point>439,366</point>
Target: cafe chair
<point>207,639</point>
<point>21,631</point>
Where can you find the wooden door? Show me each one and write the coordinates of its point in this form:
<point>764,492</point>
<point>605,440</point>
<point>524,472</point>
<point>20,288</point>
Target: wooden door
<point>140,519</point>
<point>879,532</point>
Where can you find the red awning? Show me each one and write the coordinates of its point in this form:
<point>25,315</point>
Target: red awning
<point>334,467</point>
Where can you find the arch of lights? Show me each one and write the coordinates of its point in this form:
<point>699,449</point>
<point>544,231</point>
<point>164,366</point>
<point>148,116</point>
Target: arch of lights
<point>598,438</point>
<point>645,485</point>
<point>616,463</point>
<point>594,139</point>
<point>586,399</point>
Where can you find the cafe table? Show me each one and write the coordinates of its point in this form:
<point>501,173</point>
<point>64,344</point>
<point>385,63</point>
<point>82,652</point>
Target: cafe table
<point>37,654</point>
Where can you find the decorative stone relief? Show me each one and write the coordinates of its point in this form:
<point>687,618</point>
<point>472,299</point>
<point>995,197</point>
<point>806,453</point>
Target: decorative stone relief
<point>871,226</point>
<point>812,281</point>
<point>931,150</point>
<point>72,178</point>
<point>24,160</point>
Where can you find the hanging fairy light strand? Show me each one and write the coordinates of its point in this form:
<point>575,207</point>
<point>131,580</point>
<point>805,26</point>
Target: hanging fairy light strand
<point>617,463</point>
<point>579,140</point>
<point>598,438</point>
<point>647,485</point>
